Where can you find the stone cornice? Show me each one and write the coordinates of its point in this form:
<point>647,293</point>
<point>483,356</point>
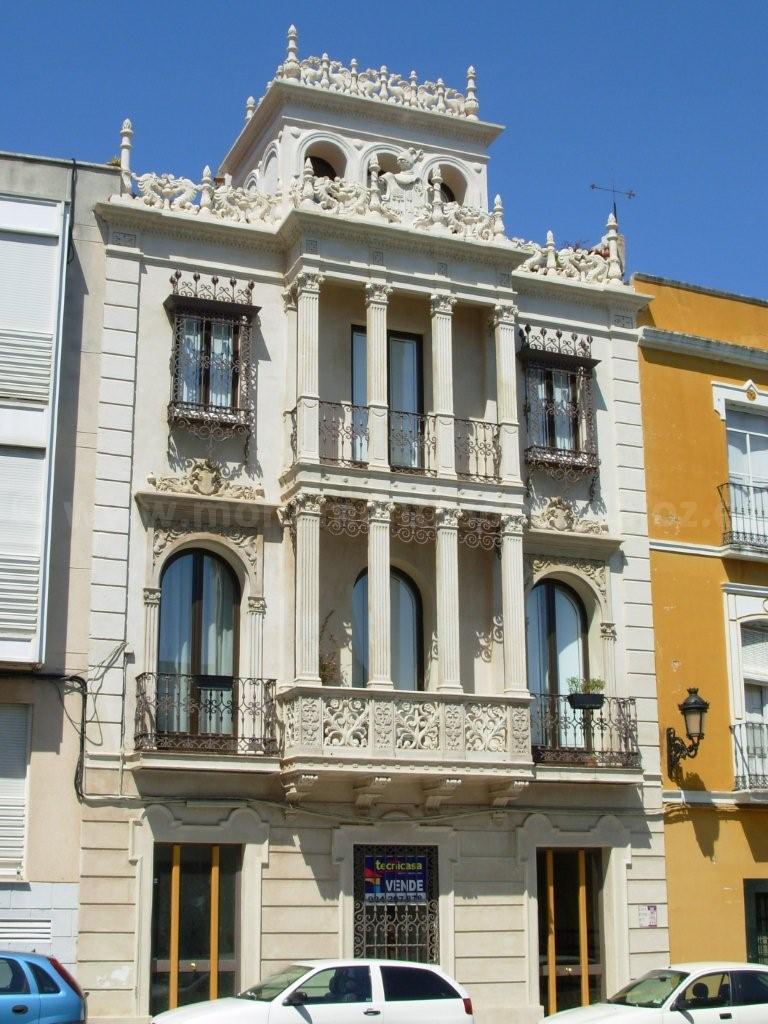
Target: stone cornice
<point>580,292</point>
<point>703,348</point>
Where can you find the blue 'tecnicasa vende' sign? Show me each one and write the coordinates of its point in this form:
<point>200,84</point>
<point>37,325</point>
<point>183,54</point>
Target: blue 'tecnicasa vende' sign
<point>395,879</point>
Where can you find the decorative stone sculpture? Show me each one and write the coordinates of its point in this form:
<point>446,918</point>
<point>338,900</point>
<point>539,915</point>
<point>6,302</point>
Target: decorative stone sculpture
<point>206,479</point>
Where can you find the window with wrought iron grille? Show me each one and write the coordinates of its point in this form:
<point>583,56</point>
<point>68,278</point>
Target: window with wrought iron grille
<point>559,405</point>
<point>211,392</point>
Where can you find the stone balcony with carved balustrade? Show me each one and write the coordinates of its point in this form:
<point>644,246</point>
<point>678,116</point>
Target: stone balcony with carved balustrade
<point>375,738</point>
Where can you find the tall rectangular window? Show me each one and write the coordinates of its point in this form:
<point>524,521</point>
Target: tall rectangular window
<point>747,434</point>
<point>207,363</point>
<point>14,733</point>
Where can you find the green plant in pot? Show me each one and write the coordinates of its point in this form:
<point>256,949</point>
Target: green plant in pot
<point>585,694</point>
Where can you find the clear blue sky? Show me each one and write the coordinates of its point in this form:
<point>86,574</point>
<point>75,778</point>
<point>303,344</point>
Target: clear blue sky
<point>667,98</point>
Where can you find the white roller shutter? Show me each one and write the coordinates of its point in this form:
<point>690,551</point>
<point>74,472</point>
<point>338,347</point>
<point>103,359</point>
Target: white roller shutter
<point>754,650</point>
<point>13,786</point>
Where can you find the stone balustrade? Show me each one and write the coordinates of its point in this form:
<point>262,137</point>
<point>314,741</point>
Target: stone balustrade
<point>343,723</point>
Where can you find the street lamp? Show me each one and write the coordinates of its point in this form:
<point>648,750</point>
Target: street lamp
<point>694,711</point>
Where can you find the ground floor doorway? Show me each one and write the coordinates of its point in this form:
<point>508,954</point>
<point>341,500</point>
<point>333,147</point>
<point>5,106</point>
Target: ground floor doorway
<point>571,955</point>
<point>194,923</point>
<point>396,906</point>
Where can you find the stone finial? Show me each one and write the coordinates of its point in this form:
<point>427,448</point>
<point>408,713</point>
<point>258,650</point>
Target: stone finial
<point>383,79</point>
<point>498,217</point>
<point>353,75</point>
<point>308,179</point>
<point>291,69</point>
<point>438,213</point>
<point>325,71</point>
<point>207,186</point>
<point>126,135</point>
<point>612,236</point>
<point>440,96</point>
<point>471,106</point>
<point>413,91</point>
<point>375,188</point>
<point>551,252</point>
<point>250,108</point>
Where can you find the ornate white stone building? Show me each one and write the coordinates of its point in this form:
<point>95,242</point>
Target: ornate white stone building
<point>359,450</point>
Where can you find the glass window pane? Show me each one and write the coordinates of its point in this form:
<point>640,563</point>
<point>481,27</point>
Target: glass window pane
<point>176,616</point>
<point>359,368</point>
<point>563,411</point>
<point>403,984</point>
<point>219,600</point>
<point>405,639</point>
<point>221,365</point>
<point>404,383</point>
<point>738,465</point>
<point>13,980</point>
<point>538,660</point>
<point>190,360</point>
<point>568,629</point>
<point>750,422</point>
<point>758,457</point>
<point>360,632</point>
<point>337,985</point>
<point>708,992</point>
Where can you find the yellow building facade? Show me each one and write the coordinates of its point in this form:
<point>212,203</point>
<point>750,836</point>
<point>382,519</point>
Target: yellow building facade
<point>704,387</point>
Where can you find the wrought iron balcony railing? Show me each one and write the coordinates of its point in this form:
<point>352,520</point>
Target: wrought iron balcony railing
<point>745,513</point>
<point>205,714</point>
<point>602,738</point>
<point>477,449</point>
<point>750,740</point>
<point>354,724</point>
<point>343,433</point>
<point>412,442</point>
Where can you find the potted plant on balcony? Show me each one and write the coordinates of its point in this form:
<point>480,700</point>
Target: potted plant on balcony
<point>586,694</point>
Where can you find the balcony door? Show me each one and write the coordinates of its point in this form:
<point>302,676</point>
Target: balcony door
<point>557,652</point>
<point>406,402</point>
<point>752,754</point>
<point>197,655</point>
<point>748,473</point>
<point>406,637</point>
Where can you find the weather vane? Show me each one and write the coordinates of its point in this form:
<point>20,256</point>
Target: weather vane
<point>629,193</point>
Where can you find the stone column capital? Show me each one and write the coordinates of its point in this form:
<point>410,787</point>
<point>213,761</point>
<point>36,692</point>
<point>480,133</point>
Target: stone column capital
<point>512,524</point>
<point>308,504</point>
<point>447,518</point>
<point>441,305</point>
<point>257,605</point>
<point>380,511</point>
<point>308,280</point>
<point>504,314</point>
<point>377,293</point>
<point>151,596</point>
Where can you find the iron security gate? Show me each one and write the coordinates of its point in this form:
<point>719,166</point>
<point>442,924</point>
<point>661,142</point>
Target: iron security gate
<point>396,910</point>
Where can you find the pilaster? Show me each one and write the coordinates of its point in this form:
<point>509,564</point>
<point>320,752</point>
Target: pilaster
<point>441,307</point>
<point>513,604</point>
<point>257,608</point>
<point>379,613</point>
<point>376,301</point>
<point>151,615</point>
<point>503,326</point>
<point>447,579</point>
<point>306,511</point>
<point>307,425</point>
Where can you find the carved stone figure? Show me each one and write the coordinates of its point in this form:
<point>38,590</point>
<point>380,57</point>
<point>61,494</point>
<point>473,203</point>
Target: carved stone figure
<point>405,190</point>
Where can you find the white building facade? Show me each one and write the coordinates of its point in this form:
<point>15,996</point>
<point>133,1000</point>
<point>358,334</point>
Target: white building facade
<point>369,497</point>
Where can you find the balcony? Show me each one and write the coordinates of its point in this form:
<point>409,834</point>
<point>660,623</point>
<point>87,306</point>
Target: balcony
<point>191,714</point>
<point>343,434</point>
<point>412,443</point>
<point>478,453</point>
<point>745,515</point>
<point>604,738</point>
<point>750,741</point>
<point>411,731</point>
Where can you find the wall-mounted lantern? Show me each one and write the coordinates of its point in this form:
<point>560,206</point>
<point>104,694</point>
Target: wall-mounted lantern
<point>694,711</point>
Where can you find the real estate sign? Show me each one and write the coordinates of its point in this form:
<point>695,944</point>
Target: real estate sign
<point>391,879</point>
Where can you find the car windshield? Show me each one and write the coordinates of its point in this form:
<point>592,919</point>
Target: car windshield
<point>272,986</point>
<point>652,990</point>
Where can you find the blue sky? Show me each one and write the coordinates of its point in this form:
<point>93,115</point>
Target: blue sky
<point>668,99</point>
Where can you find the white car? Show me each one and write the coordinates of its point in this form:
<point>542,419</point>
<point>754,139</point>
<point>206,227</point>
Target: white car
<point>702,993</point>
<point>339,992</point>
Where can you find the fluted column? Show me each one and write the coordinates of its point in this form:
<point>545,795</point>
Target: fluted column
<point>379,612</point>
<point>447,586</point>
<point>151,615</point>
<point>308,304</point>
<point>306,510</point>
<point>441,307</point>
<point>503,324</point>
<point>513,604</point>
<point>376,300</point>
<point>257,608</point>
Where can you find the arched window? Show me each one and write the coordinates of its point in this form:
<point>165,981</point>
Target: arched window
<point>322,168</point>
<point>197,650</point>
<point>406,636</point>
<point>556,638</point>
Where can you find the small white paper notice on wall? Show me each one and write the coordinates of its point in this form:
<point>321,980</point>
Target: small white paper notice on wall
<point>648,915</point>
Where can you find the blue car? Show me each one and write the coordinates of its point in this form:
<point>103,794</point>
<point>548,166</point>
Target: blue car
<point>36,989</point>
